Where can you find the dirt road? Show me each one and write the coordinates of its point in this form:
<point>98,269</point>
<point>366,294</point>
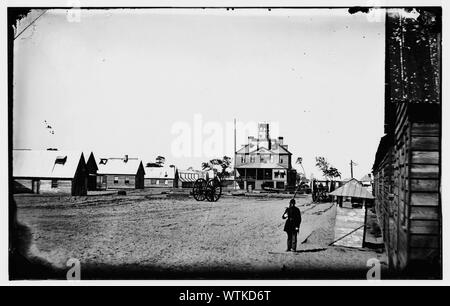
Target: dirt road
<point>235,235</point>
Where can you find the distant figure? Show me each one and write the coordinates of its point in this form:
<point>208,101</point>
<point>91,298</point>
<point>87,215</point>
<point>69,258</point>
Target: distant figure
<point>292,226</point>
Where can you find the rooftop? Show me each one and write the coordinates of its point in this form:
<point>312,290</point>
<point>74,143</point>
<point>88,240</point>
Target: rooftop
<point>45,164</point>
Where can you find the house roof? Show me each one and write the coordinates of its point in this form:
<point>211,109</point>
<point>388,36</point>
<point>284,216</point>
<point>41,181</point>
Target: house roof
<point>386,142</point>
<point>354,189</point>
<point>366,178</point>
<point>164,172</point>
<point>45,164</point>
<point>252,149</point>
<point>91,162</point>
<point>119,166</point>
<point>260,166</point>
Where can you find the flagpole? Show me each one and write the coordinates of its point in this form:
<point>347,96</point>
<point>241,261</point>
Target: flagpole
<point>234,158</point>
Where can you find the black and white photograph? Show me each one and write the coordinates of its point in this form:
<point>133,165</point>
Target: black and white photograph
<point>224,142</point>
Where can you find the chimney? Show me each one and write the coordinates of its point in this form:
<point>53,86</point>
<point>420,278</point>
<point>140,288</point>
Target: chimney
<point>126,158</point>
<point>280,140</point>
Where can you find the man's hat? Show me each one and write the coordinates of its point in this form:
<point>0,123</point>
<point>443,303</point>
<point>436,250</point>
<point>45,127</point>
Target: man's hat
<point>292,201</point>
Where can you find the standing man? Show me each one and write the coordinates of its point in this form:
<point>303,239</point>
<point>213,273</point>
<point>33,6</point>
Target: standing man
<point>292,226</point>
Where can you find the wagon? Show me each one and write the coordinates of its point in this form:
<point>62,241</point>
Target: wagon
<point>210,190</point>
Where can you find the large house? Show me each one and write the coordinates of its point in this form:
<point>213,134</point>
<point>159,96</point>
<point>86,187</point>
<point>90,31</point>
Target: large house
<point>407,167</point>
<point>49,172</point>
<point>264,162</point>
<point>120,173</point>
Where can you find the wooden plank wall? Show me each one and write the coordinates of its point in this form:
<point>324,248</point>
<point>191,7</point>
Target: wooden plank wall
<point>400,181</point>
<point>386,213</point>
<point>410,173</point>
<point>425,206</point>
<point>64,187</point>
<point>121,182</point>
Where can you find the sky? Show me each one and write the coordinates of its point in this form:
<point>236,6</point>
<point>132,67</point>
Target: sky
<point>170,82</point>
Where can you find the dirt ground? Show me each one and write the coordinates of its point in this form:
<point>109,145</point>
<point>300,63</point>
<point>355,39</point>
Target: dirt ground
<point>179,237</point>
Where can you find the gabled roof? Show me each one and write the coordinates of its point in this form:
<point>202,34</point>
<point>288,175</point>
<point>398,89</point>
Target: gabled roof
<point>247,149</point>
<point>252,149</point>
<point>281,149</point>
<point>263,150</point>
<point>366,178</point>
<point>90,159</point>
<point>164,172</point>
<point>119,166</point>
<point>46,164</point>
<point>354,189</point>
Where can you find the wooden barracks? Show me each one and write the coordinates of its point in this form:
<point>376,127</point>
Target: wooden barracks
<point>407,168</point>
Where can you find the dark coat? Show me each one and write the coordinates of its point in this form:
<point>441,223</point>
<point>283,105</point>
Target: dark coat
<point>294,218</point>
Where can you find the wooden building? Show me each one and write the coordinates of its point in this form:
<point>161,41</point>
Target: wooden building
<point>92,168</point>
<point>407,168</point>
<point>49,172</point>
<point>265,163</point>
<point>354,190</point>
<point>120,173</point>
<point>160,177</point>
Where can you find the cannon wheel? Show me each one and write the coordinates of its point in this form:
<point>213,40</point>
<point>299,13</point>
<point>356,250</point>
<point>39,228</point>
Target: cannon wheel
<point>213,190</point>
<point>314,197</point>
<point>199,189</point>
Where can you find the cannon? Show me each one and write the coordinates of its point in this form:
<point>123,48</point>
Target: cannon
<point>210,190</point>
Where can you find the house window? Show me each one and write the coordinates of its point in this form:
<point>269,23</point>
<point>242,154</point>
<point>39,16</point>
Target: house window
<point>157,182</point>
<point>281,159</point>
<point>242,159</point>
<point>116,180</point>
<point>54,183</point>
<point>153,181</point>
<point>127,180</point>
<point>267,174</point>
<point>166,182</point>
<point>252,158</point>
<point>263,159</point>
<point>277,174</point>
<point>282,174</point>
